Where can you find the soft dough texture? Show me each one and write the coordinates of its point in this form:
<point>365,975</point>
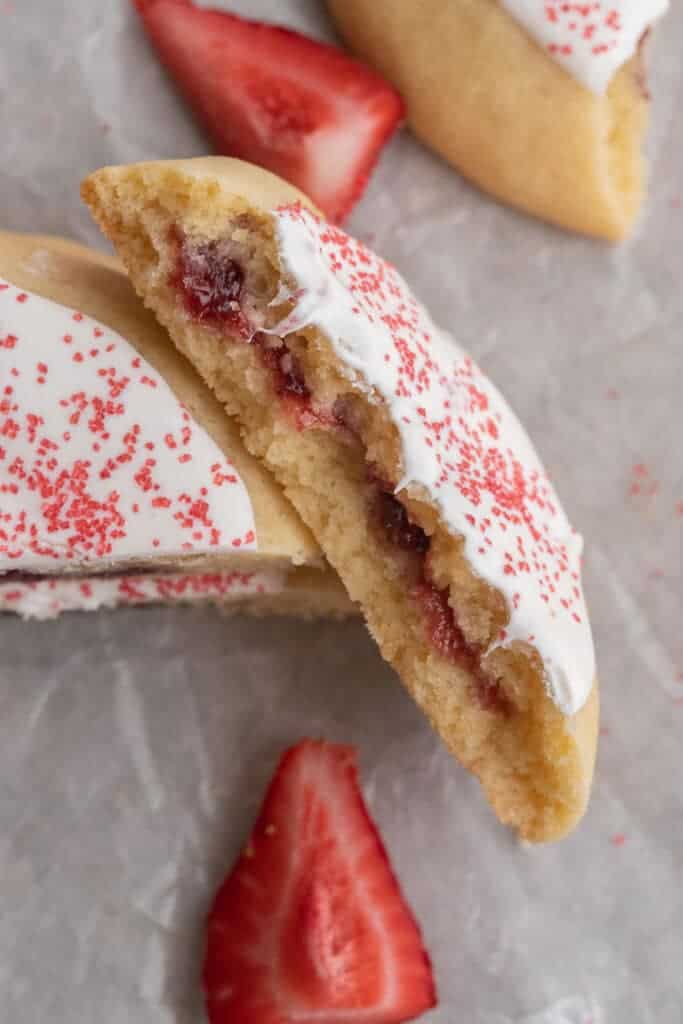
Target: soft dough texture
<point>536,763</point>
<point>288,562</point>
<point>486,97</point>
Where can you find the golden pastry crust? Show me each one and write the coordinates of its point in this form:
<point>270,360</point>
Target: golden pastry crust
<point>536,767</point>
<point>79,277</point>
<point>486,97</point>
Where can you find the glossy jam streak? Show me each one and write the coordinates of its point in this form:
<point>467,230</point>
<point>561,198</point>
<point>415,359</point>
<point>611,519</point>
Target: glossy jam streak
<point>397,526</point>
<point>288,381</point>
<point>444,633</point>
<point>449,641</point>
<point>211,283</point>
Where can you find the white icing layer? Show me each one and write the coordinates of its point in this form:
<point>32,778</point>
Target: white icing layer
<point>49,597</point>
<point>99,461</point>
<point>591,40</point>
<point>461,441</point>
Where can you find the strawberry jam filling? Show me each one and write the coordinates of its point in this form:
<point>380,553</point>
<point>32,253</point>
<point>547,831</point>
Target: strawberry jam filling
<point>448,639</point>
<point>397,527</point>
<point>288,380</point>
<point>290,386</point>
<point>443,630</point>
<point>211,283</point>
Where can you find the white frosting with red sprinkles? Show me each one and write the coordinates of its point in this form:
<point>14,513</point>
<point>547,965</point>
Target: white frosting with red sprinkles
<point>461,442</point>
<point>48,597</point>
<point>99,461</point>
<point>591,40</point>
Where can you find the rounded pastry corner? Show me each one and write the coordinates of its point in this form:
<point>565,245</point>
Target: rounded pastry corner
<point>490,101</point>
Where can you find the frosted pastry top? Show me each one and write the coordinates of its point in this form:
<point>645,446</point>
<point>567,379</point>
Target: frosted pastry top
<point>590,40</point>
<point>99,461</point>
<point>461,442</point>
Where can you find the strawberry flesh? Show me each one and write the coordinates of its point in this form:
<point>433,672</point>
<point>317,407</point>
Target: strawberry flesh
<point>311,926</point>
<point>302,109</point>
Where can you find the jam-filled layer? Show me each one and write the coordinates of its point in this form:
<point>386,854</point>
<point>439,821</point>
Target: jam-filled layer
<point>212,282</point>
<point>443,630</point>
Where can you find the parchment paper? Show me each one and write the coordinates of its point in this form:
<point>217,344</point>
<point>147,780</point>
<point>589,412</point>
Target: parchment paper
<point>135,745</point>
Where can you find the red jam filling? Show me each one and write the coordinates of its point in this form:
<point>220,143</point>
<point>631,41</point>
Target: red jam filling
<point>211,284</point>
<point>448,639</point>
<point>444,633</point>
<point>397,526</point>
<point>288,379</point>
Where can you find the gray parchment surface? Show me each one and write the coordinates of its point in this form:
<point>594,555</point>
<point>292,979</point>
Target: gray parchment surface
<point>135,745</point>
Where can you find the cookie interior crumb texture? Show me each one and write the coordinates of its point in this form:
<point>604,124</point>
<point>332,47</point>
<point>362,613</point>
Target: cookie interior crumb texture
<point>337,455</point>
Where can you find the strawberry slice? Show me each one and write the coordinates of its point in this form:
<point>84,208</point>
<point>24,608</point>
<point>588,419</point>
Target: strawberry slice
<point>271,96</point>
<point>310,927</point>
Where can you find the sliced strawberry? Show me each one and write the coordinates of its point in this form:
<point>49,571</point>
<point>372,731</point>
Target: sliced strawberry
<point>300,108</point>
<point>310,927</point>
